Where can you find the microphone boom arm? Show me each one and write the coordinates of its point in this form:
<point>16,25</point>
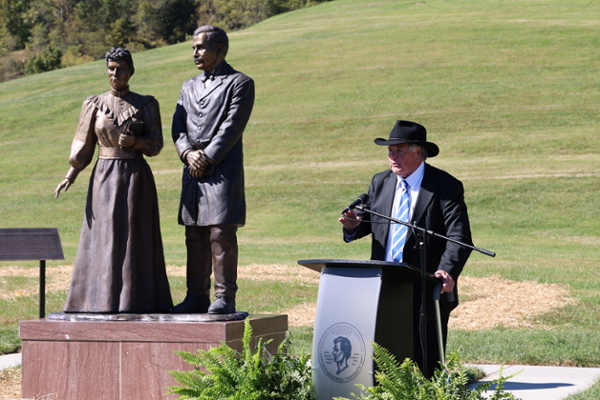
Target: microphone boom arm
<point>427,231</point>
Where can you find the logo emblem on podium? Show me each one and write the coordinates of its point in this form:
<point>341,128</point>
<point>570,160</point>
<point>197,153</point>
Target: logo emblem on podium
<point>341,352</point>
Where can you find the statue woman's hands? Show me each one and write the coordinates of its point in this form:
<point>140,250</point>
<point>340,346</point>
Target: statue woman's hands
<point>67,182</point>
<point>127,140</point>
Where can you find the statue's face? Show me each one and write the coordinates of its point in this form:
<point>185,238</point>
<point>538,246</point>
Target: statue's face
<point>206,55</point>
<point>118,74</point>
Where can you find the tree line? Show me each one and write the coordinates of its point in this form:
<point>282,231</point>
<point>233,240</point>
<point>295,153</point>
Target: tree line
<point>42,35</point>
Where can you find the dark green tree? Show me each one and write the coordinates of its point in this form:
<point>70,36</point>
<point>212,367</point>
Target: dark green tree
<point>178,19</point>
<point>147,25</point>
<point>46,60</point>
<point>121,32</point>
<point>15,31</point>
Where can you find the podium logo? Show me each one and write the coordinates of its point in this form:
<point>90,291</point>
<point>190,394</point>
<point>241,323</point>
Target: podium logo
<point>341,352</point>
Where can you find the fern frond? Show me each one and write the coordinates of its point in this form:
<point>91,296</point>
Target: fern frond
<point>246,349</point>
<point>192,358</point>
<point>223,373</point>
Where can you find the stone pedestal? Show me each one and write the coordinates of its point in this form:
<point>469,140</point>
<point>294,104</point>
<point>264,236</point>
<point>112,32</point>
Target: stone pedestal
<point>123,360</point>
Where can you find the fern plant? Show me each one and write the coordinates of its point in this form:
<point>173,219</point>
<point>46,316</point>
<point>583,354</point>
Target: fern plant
<point>406,382</point>
<point>223,373</point>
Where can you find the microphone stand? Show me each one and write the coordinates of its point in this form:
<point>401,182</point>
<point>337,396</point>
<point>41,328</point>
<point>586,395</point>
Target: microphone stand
<point>414,227</point>
<point>421,234</point>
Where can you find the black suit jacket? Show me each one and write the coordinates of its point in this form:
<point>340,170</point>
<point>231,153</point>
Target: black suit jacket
<point>440,208</point>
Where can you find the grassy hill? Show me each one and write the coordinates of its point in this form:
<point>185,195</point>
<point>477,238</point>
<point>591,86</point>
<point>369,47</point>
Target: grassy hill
<point>507,89</point>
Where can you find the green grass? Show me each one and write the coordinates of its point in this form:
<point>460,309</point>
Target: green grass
<point>564,347</point>
<point>506,88</point>
<point>590,394</point>
<point>9,339</point>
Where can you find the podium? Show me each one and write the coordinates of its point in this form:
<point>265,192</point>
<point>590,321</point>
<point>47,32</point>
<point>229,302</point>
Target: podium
<point>360,302</point>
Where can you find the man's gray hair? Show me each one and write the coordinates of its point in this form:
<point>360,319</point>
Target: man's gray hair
<point>214,35</point>
<point>413,147</point>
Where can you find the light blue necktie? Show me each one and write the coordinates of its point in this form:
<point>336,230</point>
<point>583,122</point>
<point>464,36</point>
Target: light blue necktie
<point>400,231</point>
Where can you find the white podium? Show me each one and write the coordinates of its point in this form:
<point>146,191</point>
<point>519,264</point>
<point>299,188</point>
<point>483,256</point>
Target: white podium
<point>360,302</point>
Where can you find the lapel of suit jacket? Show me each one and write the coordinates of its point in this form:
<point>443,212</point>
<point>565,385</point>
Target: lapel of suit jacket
<point>218,81</point>
<point>197,88</point>
<point>425,195</point>
<point>223,73</point>
<point>388,191</point>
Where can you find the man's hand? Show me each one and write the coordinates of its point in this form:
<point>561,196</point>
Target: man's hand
<point>350,220</point>
<point>447,281</point>
<point>197,161</point>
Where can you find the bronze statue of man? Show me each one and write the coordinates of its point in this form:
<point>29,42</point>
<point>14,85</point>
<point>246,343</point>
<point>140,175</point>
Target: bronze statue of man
<point>209,121</point>
<point>120,265</point>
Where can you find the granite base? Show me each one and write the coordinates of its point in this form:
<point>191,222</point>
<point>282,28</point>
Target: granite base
<point>123,359</point>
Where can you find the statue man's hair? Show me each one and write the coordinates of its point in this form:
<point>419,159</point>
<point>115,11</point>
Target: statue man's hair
<point>120,54</point>
<point>214,35</point>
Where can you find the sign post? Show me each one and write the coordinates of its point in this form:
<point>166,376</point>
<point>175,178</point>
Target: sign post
<point>20,244</point>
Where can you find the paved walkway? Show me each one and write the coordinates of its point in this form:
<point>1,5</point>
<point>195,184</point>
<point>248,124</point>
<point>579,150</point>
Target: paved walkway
<point>543,383</point>
<point>10,360</point>
<point>531,382</point>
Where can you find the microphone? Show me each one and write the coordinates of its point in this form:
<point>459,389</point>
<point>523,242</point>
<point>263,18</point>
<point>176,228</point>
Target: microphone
<point>362,199</point>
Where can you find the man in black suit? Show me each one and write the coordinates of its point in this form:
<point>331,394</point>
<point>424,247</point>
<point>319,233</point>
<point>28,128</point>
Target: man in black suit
<point>211,115</point>
<point>416,192</point>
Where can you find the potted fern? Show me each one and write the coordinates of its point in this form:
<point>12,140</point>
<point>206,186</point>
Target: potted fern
<point>405,381</point>
<point>223,373</point>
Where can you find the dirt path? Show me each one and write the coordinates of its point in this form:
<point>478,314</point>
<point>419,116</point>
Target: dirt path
<point>485,302</point>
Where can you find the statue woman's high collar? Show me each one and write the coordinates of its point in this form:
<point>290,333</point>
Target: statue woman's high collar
<point>120,93</point>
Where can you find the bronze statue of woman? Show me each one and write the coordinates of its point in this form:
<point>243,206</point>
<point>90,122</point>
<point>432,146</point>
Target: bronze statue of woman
<point>120,266</point>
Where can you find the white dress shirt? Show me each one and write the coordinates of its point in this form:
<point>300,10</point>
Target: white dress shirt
<point>414,182</point>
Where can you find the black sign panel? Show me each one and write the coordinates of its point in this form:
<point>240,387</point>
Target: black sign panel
<point>30,244</point>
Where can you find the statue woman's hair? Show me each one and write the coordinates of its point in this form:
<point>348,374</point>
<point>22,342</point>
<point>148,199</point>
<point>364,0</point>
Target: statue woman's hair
<point>120,54</point>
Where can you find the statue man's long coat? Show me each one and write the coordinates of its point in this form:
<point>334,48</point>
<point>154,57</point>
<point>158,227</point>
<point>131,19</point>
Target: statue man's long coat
<point>214,119</point>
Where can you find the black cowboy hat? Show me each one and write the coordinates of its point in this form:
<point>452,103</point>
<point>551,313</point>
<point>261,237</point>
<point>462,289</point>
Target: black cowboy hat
<point>410,133</point>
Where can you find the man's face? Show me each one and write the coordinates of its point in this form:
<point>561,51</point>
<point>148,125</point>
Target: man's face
<point>118,74</point>
<point>206,55</point>
<point>403,159</point>
<point>337,353</point>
